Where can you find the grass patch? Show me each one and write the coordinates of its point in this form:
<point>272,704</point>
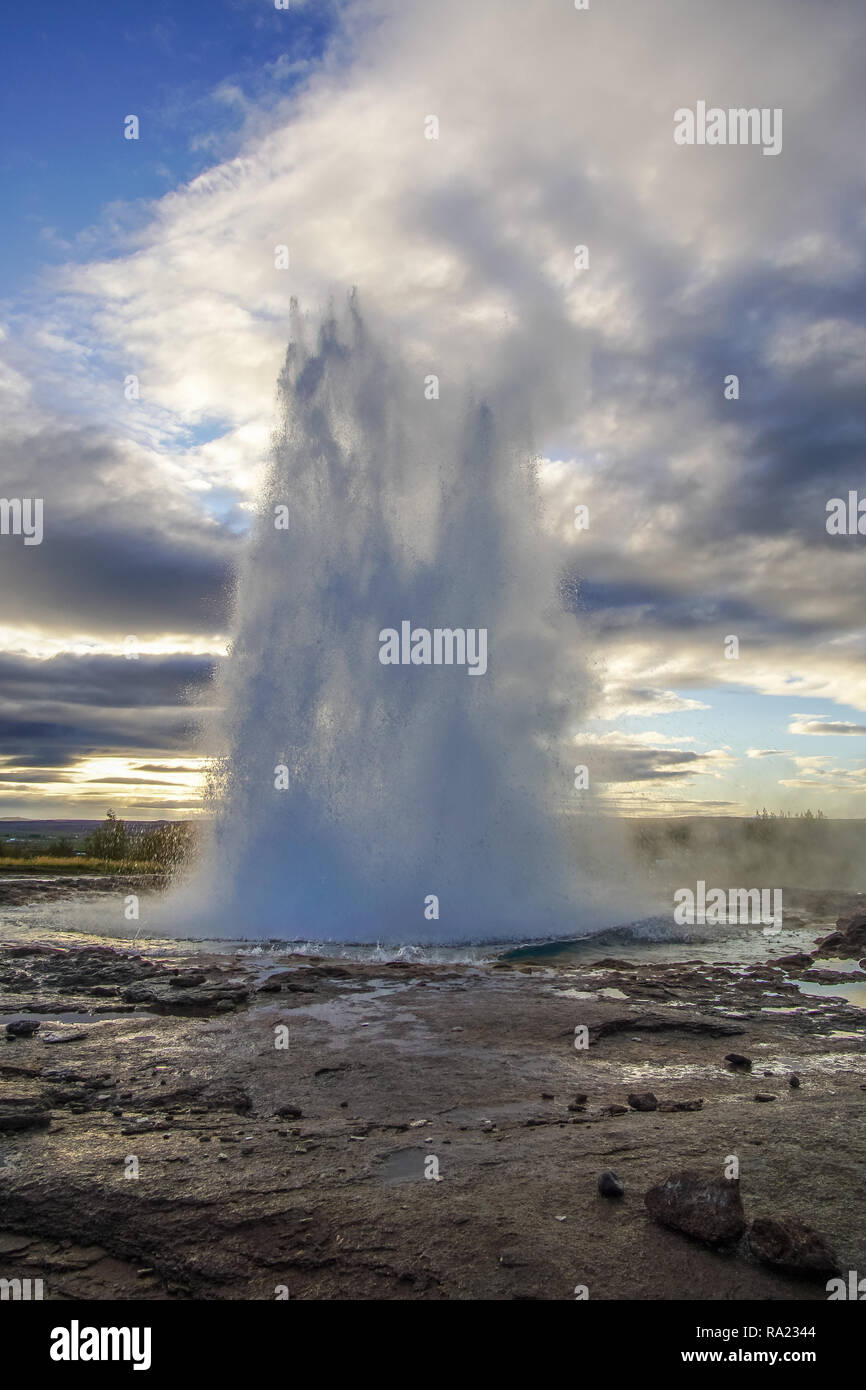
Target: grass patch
<point>73,864</point>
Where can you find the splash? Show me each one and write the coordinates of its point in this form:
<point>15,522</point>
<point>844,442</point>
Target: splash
<point>411,800</point>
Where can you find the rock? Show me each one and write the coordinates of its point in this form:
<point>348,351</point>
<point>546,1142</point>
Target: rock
<point>738,1061</point>
<point>141,1127</point>
<point>643,1100</point>
<point>609,1184</point>
<point>547,1095</point>
<point>763,1095</point>
<point>849,938</point>
<point>614,1110</point>
<point>786,1243</point>
<point>664,1023</point>
<point>22,1112</point>
<point>708,1208</point>
<point>72,1036</point>
<point>187,979</point>
<point>289,1112</point>
<point>212,997</point>
<point>794,1080</point>
<point>22,1028</point>
<point>798,959</point>
<point>671,1106</point>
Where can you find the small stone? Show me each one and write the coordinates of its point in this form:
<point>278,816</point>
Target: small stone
<point>609,1184</point>
<point>738,1061</point>
<point>615,1110</point>
<point>762,1095</point>
<point>794,1080</point>
<point>22,1028</point>
<point>547,1095</point>
<point>672,1106</point>
<point>643,1100</point>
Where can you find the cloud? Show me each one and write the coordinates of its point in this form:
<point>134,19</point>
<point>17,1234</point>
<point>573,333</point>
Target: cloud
<point>803,724</point>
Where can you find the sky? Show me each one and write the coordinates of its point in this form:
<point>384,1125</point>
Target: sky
<point>143,323</point>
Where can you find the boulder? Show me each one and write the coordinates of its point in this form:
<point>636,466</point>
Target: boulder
<point>848,940</point>
<point>786,1243</point>
<point>642,1100</point>
<point>796,961</point>
<point>709,1209</point>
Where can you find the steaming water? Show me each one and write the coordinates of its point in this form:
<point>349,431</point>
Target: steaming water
<point>404,781</point>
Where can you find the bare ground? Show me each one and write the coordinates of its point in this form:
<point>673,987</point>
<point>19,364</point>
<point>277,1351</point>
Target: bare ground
<point>390,1064</point>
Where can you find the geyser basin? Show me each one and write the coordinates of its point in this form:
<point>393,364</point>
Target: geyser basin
<point>408,799</point>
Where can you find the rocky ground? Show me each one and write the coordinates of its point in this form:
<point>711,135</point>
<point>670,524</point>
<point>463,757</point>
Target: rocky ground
<point>234,1127</point>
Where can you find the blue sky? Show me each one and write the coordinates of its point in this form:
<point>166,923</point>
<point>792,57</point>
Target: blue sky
<point>72,73</point>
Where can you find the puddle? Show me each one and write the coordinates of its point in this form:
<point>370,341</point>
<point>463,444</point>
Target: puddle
<point>404,1165</point>
<point>855,993</point>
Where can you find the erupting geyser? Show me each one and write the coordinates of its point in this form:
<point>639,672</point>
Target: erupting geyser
<point>378,792</point>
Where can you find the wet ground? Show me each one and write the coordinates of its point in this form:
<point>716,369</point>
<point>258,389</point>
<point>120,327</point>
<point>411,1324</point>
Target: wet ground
<point>232,1123</point>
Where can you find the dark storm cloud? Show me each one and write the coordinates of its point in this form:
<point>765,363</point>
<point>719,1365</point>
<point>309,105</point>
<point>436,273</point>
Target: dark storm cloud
<point>56,711</point>
<point>123,545</point>
<point>109,681</point>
